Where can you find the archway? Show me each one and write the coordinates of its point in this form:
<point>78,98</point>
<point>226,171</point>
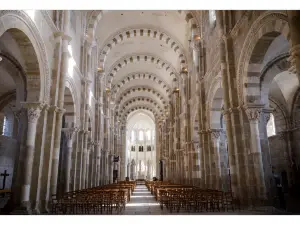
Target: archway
<point>140,140</point>
<point>23,90</point>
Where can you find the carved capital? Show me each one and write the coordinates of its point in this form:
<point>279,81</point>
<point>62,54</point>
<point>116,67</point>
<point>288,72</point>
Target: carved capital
<point>267,114</point>
<point>60,111</point>
<point>294,53</point>
<point>33,110</point>
<point>195,45</point>
<point>69,133</point>
<point>216,133</point>
<point>97,144</point>
<point>253,111</point>
<point>90,145</point>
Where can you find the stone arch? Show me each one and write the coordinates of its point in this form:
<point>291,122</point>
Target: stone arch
<point>123,105</point>
<point>142,31</point>
<point>96,15</point>
<point>142,89</point>
<point>20,26</point>
<point>141,75</point>
<point>17,73</point>
<point>140,106</point>
<point>71,103</point>
<point>261,34</point>
<point>191,18</point>
<point>144,57</point>
<point>215,103</point>
<point>128,111</point>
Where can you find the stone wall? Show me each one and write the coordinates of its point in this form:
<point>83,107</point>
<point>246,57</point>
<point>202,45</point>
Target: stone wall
<point>8,150</point>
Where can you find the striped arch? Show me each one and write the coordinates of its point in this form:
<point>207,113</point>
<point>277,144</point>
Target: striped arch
<point>132,105</point>
<point>33,50</point>
<point>143,57</point>
<point>141,75</point>
<point>72,101</point>
<point>92,21</point>
<point>123,117</point>
<point>215,103</point>
<point>137,99</point>
<point>262,33</point>
<point>95,16</point>
<point>191,18</point>
<point>154,33</point>
<point>148,89</point>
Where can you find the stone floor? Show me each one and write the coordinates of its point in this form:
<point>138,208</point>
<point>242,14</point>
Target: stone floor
<point>143,203</point>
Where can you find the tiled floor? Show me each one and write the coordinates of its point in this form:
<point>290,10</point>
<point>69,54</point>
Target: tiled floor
<point>143,203</point>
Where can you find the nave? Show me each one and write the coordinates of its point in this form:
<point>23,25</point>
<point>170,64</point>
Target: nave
<point>89,98</point>
<point>150,198</point>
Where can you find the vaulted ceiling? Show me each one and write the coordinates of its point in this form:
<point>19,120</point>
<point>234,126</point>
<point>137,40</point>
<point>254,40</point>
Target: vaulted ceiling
<point>142,54</point>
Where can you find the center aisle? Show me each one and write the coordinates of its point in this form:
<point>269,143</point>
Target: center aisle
<point>143,203</point>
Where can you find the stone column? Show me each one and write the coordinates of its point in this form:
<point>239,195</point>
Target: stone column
<point>98,164</point>
<point>75,157</point>
<point>216,158</point>
<point>85,158</point>
<point>79,161</point>
<point>207,165</point>
<point>202,160</point>
<point>294,21</point>
<point>105,164</point>
<point>33,113</point>
<point>111,167</point>
<point>47,159</point>
<point>253,113</point>
<point>69,134</point>
<point>123,152</point>
<point>60,102</point>
<point>35,190</point>
<point>128,170</point>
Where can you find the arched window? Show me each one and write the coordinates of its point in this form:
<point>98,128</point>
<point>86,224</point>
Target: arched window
<point>148,135</point>
<point>212,17</point>
<point>271,126</point>
<point>8,126</point>
<point>141,135</point>
<point>132,136</point>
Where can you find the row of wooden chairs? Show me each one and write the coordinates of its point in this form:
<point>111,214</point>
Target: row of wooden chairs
<point>196,200</point>
<point>108,199</point>
<point>176,197</point>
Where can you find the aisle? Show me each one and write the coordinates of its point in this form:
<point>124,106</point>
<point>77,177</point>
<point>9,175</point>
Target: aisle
<point>143,203</point>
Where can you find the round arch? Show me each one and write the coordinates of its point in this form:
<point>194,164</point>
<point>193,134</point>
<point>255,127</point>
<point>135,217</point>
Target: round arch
<point>20,25</point>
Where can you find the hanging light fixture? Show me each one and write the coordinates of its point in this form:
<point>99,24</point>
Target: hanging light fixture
<point>197,37</point>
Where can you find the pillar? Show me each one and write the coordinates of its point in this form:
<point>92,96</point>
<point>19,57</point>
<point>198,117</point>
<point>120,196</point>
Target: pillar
<point>69,134</point>
<point>111,167</point>
<point>253,113</point>
<point>294,21</point>
<point>33,113</point>
<point>216,158</point>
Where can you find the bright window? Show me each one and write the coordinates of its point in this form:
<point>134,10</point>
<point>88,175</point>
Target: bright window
<point>148,135</point>
<point>212,17</point>
<point>141,135</point>
<point>132,136</point>
<point>271,126</point>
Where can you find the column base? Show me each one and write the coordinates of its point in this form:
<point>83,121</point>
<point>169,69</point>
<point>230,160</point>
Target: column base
<point>36,208</point>
<point>23,209</point>
<point>44,209</point>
